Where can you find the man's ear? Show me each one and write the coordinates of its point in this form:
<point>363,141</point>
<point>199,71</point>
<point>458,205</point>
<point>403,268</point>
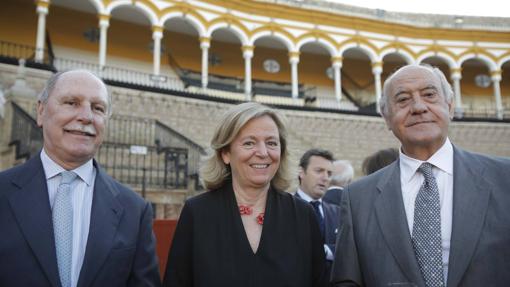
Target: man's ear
<point>451,108</point>
<point>387,120</point>
<point>301,173</point>
<point>40,111</point>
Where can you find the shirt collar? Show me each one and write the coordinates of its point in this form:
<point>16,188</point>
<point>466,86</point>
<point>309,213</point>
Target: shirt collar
<point>442,159</point>
<point>52,169</point>
<point>306,197</point>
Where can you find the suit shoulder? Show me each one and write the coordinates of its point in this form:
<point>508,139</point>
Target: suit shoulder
<point>365,188</point>
<point>368,181</point>
<point>18,170</point>
<point>7,174</point>
<point>496,165</point>
<point>123,191</point>
<point>6,178</point>
<point>490,160</point>
<point>20,174</point>
<point>331,207</point>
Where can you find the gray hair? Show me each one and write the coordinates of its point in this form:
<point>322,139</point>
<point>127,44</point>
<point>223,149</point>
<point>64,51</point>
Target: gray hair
<point>214,172</point>
<point>52,83</point>
<point>346,174</point>
<point>445,85</point>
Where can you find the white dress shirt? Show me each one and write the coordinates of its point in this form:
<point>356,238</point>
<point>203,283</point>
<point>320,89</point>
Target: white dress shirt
<point>411,181</point>
<point>307,198</point>
<point>82,192</point>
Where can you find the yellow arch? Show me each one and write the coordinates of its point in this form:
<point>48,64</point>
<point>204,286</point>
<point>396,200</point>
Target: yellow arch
<point>505,56</point>
<point>398,46</point>
<point>273,28</point>
<point>231,20</point>
<point>185,9</point>
<point>319,35</point>
<point>478,50</point>
<point>360,40</point>
<point>151,6</point>
<point>436,49</point>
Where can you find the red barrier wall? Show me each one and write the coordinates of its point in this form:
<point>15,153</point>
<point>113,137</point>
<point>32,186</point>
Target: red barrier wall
<point>164,231</point>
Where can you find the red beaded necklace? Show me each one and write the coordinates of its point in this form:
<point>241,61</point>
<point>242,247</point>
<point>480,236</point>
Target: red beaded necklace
<point>248,210</point>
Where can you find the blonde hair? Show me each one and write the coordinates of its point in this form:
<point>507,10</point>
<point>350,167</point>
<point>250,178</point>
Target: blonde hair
<point>214,172</point>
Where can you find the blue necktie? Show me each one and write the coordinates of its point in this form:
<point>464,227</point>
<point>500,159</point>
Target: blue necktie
<point>427,229</point>
<point>63,227</point>
<point>320,219</point>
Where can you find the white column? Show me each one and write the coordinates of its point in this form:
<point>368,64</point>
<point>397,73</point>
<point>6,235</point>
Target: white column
<point>42,11</point>
<point>377,70</point>
<point>337,66</point>
<point>104,22</point>
<point>496,79</point>
<point>247,55</point>
<point>204,45</point>
<point>456,75</point>
<point>294,60</point>
<point>157,34</point>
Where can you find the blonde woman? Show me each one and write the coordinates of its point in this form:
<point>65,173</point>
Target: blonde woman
<point>246,231</point>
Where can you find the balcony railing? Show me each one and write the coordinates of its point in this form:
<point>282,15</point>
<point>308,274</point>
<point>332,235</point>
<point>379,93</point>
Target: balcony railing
<point>150,168</point>
<point>123,75</point>
<point>12,52</point>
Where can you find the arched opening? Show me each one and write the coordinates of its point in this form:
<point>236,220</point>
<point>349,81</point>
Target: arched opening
<point>130,36</point>
<point>316,75</point>
<point>441,64</point>
<point>391,63</point>
<point>180,55</point>
<point>226,57</point>
<point>271,68</point>
<point>477,88</point>
<point>72,25</point>
<point>358,79</point>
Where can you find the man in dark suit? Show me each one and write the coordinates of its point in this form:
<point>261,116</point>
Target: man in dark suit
<point>439,215</point>
<point>63,220</point>
<point>315,168</point>
<point>342,175</point>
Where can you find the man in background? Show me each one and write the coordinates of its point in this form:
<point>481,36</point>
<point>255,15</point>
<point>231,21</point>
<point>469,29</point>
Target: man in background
<point>342,175</point>
<point>315,169</point>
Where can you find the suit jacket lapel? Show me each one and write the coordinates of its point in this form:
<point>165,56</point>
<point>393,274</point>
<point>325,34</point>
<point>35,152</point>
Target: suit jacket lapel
<point>390,212</point>
<point>471,194</point>
<point>104,220</point>
<point>30,205</point>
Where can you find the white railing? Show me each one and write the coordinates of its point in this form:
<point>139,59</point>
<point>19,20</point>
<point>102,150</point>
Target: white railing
<point>121,74</point>
<point>217,93</point>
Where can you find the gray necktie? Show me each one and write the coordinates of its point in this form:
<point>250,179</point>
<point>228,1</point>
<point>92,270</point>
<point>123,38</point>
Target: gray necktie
<point>427,229</point>
<point>63,227</point>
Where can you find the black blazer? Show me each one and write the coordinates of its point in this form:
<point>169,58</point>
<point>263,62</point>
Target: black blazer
<point>210,247</point>
<point>120,248</point>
